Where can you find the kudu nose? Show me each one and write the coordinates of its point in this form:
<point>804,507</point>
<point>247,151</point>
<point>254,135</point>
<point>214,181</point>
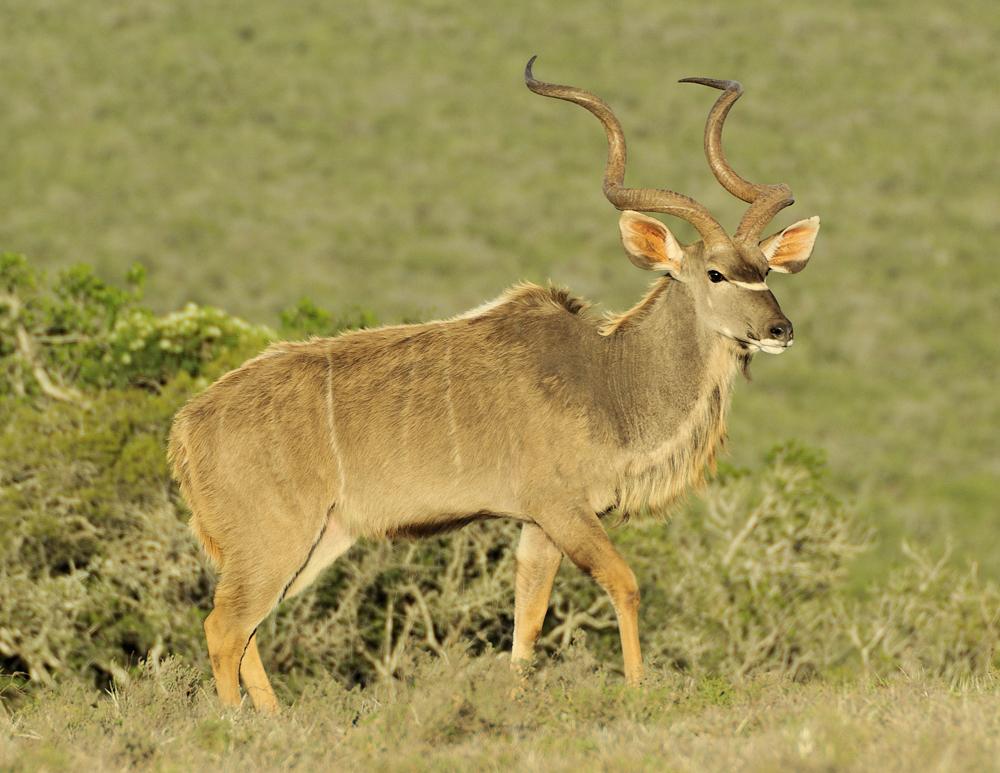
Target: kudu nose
<point>780,330</point>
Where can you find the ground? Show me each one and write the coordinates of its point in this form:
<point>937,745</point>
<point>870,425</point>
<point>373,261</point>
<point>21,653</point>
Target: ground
<point>472,713</point>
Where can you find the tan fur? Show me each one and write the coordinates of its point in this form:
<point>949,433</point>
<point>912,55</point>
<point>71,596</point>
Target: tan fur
<point>177,458</point>
<point>531,409</point>
<point>614,323</point>
<point>656,479</point>
<point>527,407</point>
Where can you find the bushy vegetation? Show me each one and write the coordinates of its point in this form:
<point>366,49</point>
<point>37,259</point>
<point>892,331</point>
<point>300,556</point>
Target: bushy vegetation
<point>99,572</point>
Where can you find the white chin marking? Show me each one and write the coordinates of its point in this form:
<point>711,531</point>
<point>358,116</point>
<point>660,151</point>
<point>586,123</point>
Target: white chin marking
<point>773,346</point>
<point>768,345</point>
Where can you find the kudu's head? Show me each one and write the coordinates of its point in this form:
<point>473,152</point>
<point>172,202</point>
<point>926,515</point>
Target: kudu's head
<point>725,274</point>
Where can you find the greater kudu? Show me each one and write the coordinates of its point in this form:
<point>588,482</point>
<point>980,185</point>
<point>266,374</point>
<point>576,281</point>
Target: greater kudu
<point>526,408</point>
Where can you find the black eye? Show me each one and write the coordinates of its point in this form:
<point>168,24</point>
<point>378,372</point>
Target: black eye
<point>715,276</point>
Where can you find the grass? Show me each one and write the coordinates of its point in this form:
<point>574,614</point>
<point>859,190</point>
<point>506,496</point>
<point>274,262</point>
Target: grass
<point>387,155</point>
<point>472,713</point>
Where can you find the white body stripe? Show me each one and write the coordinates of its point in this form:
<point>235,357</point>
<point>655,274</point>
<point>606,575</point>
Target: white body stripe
<point>331,425</point>
<point>456,455</point>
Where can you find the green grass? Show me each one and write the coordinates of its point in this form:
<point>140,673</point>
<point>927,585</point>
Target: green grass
<point>473,714</point>
<point>386,155</point>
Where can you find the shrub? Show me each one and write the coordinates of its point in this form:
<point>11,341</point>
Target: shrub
<point>752,575</point>
<point>927,617</point>
<point>79,332</point>
<point>306,319</point>
<point>97,569</point>
<point>96,562</point>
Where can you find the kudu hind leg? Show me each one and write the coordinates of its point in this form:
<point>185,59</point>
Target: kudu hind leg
<point>255,680</point>
<point>227,640</point>
<point>537,563</point>
<point>255,594</point>
<point>246,594</point>
<point>580,535</point>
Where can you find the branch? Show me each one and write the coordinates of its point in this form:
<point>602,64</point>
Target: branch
<point>26,348</point>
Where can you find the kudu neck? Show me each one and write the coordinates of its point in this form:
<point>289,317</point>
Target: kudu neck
<point>667,323</point>
<point>665,360</point>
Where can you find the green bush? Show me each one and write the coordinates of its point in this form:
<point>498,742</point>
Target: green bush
<point>79,332</point>
<point>306,319</point>
<point>97,566</point>
<point>96,561</point>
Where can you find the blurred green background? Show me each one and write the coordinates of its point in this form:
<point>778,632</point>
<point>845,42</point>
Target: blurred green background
<point>386,155</point>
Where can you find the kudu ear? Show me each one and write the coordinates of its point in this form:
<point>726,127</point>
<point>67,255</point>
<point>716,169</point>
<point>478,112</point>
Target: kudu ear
<point>649,244</point>
<point>788,251</point>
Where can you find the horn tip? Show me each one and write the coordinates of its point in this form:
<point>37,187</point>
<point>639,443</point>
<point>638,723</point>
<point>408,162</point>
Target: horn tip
<point>716,83</point>
<point>528,77</point>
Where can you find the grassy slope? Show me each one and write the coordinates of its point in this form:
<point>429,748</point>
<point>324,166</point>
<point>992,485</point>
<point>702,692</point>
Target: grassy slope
<point>386,154</point>
<point>468,714</point>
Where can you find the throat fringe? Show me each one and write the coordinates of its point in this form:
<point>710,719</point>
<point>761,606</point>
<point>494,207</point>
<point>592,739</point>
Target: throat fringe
<point>653,479</point>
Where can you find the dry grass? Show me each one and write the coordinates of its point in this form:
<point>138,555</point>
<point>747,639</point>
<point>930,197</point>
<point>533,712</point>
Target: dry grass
<point>472,713</point>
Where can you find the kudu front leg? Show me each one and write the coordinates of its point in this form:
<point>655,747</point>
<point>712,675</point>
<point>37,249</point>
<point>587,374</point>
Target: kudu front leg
<point>580,535</point>
<point>537,563</point>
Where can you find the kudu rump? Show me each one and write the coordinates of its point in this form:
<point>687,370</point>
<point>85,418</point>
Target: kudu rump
<point>526,408</point>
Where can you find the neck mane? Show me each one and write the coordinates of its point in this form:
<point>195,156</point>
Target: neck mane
<point>673,380</point>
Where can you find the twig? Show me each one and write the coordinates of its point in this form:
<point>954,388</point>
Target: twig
<point>26,348</point>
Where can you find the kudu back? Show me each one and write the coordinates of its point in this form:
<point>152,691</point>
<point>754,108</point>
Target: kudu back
<point>527,408</point>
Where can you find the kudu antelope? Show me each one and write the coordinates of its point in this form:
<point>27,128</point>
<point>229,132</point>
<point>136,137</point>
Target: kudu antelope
<point>525,408</point>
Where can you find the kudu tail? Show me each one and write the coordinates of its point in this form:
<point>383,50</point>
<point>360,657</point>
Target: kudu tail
<point>180,468</point>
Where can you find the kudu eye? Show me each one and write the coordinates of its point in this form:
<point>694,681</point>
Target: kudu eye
<point>715,276</point>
